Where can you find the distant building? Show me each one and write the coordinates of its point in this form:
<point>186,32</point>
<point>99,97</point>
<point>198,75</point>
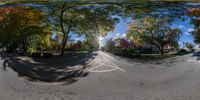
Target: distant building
<point>149,49</point>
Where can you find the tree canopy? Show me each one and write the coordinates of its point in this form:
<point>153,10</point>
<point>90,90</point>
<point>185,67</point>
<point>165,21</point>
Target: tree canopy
<point>38,19</point>
<point>194,13</point>
<point>189,46</point>
<point>154,31</point>
<point>18,24</point>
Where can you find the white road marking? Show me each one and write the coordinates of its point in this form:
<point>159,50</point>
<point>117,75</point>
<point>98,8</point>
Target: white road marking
<point>192,60</point>
<point>118,67</point>
<point>102,63</point>
<point>114,64</point>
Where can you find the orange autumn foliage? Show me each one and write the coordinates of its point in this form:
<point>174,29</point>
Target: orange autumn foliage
<point>28,15</point>
<point>193,12</point>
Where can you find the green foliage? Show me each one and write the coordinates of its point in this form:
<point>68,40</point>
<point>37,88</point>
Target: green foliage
<point>92,43</point>
<point>109,45</point>
<point>152,30</point>
<point>36,54</point>
<point>18,25</point>
<point>29,27</point>
<point>128,52</point>
<point>182,52</point>
<point>82,19</point>
<point>189,46</point>
<point>194,13</point>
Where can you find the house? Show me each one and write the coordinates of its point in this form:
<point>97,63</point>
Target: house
<point>150,49</point>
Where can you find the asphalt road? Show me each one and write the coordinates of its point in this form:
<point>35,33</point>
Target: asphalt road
<point>114,78</point>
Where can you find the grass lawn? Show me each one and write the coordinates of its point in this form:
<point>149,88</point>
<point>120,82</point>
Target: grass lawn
<point>155,56</point>
<point>151,56</point>
<point>67,53</point>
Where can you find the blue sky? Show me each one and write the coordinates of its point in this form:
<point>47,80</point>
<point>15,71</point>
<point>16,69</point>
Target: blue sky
<point>120,29</point>
<point>186,27</point>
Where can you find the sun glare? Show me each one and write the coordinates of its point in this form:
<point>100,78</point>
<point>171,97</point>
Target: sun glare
<point>100,38</point>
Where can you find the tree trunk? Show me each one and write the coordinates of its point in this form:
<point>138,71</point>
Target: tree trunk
<point>65,34</point>
<point>24,44</point>
<point>64,40</point>
<point>162,50</point>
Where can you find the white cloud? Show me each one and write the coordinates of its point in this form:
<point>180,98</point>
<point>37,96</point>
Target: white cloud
<point>123,35</point>
<point>197,46</point>
<point>77,39</point>
<point>187,33</point>
<point>117,34</point>
<point>190,30</point>
<point>100,38</point>
<point>114,37</point>
<point>179,43</point>
<point>182,27</point>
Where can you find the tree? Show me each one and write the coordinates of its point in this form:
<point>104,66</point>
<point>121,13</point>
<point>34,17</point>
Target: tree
<point>55,42</point>
<point>90,18</point>
<point>24,22</point>
<point>79,44</point>
<point>92,43</point>
<point>134,34</point>
<point>194,13</point>
<point>82,19</point>
<point>175,46</point>
<point>123,43</point>
<point>189,46</point>
<point>109,45</point>
<point>154,31</point>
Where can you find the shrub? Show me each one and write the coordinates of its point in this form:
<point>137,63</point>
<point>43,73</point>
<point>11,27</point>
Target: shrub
<point>124,51</point>
<point>109,45</point>
<point>182,52</point>
<point>136,54</point>
<point>132,51</point>
<point>192,50</point>
<point>190,46</point>
<point>47,55</point>
<point>30,50</point>
<point>69,49</point>
<point>128,52</point>
<point>117,50</point>
<point>146,50</point>
<point>36,54</point>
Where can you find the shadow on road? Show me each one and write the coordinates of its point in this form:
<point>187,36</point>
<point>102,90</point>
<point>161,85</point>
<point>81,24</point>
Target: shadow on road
<point>196,54</point>
<point>56,69</point>
<point>167,61</point>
